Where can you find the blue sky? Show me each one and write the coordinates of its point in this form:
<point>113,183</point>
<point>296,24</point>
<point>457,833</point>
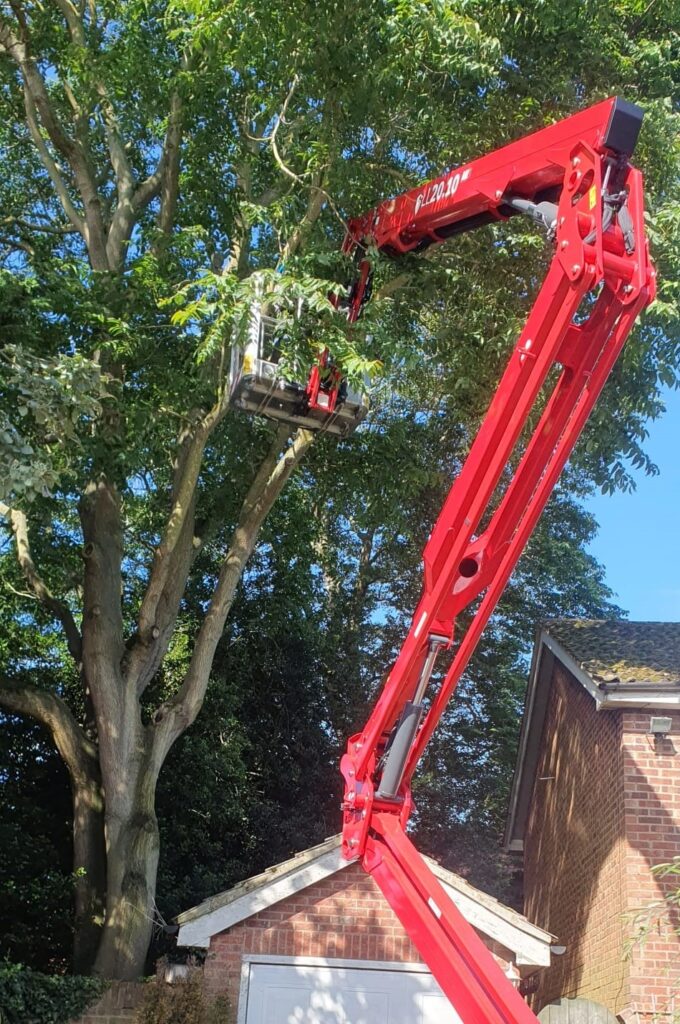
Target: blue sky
<point>639,537</point>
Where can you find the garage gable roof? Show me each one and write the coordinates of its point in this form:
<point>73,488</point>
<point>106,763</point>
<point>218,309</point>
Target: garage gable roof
<point>529,944</point>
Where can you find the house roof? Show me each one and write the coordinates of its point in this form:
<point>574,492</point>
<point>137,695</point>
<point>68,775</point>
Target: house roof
<point>621,664</point>
<point>618,651</point>
<point>529,944</point>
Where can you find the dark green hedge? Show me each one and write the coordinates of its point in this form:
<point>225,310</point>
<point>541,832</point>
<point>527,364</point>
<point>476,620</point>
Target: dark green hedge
<point>28,997</point>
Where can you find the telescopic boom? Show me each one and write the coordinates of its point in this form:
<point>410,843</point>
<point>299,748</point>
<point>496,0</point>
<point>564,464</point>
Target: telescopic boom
<point>575,180</point>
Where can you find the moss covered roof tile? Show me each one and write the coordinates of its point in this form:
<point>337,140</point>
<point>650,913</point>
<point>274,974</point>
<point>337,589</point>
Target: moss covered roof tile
<point>618,651</point>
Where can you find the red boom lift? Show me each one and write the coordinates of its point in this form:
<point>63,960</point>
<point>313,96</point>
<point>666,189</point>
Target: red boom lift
<point>574,178</point>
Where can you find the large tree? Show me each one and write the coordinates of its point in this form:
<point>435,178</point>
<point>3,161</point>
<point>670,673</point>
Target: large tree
<point>164,163</point>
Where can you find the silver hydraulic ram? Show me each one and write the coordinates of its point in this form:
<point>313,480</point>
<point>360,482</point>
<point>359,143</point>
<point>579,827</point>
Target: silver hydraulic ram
<point>407,726</point>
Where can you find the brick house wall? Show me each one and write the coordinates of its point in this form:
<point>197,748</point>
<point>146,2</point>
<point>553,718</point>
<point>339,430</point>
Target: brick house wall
<point>652,824</point>
<point>575,849</point>
<point>345,916</point>
<point>605,809</point>
<point>118,1005</point>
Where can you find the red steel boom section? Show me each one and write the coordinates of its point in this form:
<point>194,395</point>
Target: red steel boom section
<point>574,178</point>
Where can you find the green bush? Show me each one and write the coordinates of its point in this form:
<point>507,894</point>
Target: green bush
<point>28,997</point>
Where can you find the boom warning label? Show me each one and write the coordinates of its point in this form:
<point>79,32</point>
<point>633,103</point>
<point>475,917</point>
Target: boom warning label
<point>442,189</point>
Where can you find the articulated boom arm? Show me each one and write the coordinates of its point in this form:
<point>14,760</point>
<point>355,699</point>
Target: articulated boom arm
<point>573,178</point>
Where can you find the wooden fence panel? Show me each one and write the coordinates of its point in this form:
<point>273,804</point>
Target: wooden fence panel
<point>576,1011</point>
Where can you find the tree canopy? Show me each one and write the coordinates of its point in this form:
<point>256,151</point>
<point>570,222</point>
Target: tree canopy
<point>164,162</point>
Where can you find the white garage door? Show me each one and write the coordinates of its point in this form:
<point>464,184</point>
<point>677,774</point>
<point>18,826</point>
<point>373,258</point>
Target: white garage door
<point>311,993</point>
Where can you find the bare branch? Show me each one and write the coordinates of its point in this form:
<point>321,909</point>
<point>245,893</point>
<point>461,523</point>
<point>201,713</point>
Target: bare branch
<point>50,229</point>
<point>299,235</point>
<point>124,216</point>
<point>70,149</point>
<point>164,181</point>
<point>403,180</point>
<point>119,159</point>
<point>170,161</point>
<point>163,596</point>
<point>187,469</point>
<point>172,718</point>
<point>165,178</point>
<point>272,139</point>
<point>16,243</point>
<point>76,750</point>
<point>50,165</point>
<point>19,526</point>
<point>73,20</point>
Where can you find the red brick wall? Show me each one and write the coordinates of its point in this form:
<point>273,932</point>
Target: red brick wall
<point>345,916</point>
<point>575,848</point>
<point>118,1005</point>
<point>652,820</point>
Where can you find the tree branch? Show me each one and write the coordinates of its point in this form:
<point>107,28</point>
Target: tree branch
<point>17,243</point>
<point>151,645</point>
<point>173,717</point>
<point>76,751</point>
<point>164,181</point>
<point>124,216</point>
<point>165,177</point>
<point>50,229</point>
<point>170,162</point>
<point>315,200</point>
<point>73,20</point>
<point>390,287</point>
<point>187,469</point>
<point>19,527</point>
<point>93,227</point>
<point>299,235</point>
<point>50,165</point>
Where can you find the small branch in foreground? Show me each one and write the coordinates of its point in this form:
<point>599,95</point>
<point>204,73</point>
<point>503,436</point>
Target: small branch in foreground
<point>286,170</point>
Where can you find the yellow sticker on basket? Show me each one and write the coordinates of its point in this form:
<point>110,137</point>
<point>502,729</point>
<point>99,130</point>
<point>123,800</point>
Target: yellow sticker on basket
<point>592,196</point>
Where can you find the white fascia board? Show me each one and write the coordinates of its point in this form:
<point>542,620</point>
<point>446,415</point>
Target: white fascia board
<point>574,667</point>
<point>639,699</point>
<point>528,949</point>
<point>524,737</point>
<point>609,700</point>
<point>200,930</point>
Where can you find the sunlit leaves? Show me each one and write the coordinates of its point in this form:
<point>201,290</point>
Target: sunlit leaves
<point>47,403</point>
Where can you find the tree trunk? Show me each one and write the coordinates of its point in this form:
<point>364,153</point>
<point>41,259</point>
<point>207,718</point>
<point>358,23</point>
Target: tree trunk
<point>89,869</point>
<point>132,843</point>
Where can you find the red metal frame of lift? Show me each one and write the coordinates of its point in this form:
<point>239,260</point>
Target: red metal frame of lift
<point>591,270</point>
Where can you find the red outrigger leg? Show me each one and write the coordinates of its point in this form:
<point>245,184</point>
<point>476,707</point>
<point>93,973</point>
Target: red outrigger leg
<point>573,178</point>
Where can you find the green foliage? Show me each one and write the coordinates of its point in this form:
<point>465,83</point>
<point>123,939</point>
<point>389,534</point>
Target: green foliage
<point>184,1002</point>
<point>47,400</point>
<point>656,916</point>
<point>36,887</point>
<point>27,997</point>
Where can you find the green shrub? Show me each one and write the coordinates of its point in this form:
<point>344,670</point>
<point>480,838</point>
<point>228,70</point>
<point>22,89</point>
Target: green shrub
<point>184,1002</point>
<point>28,997</point>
